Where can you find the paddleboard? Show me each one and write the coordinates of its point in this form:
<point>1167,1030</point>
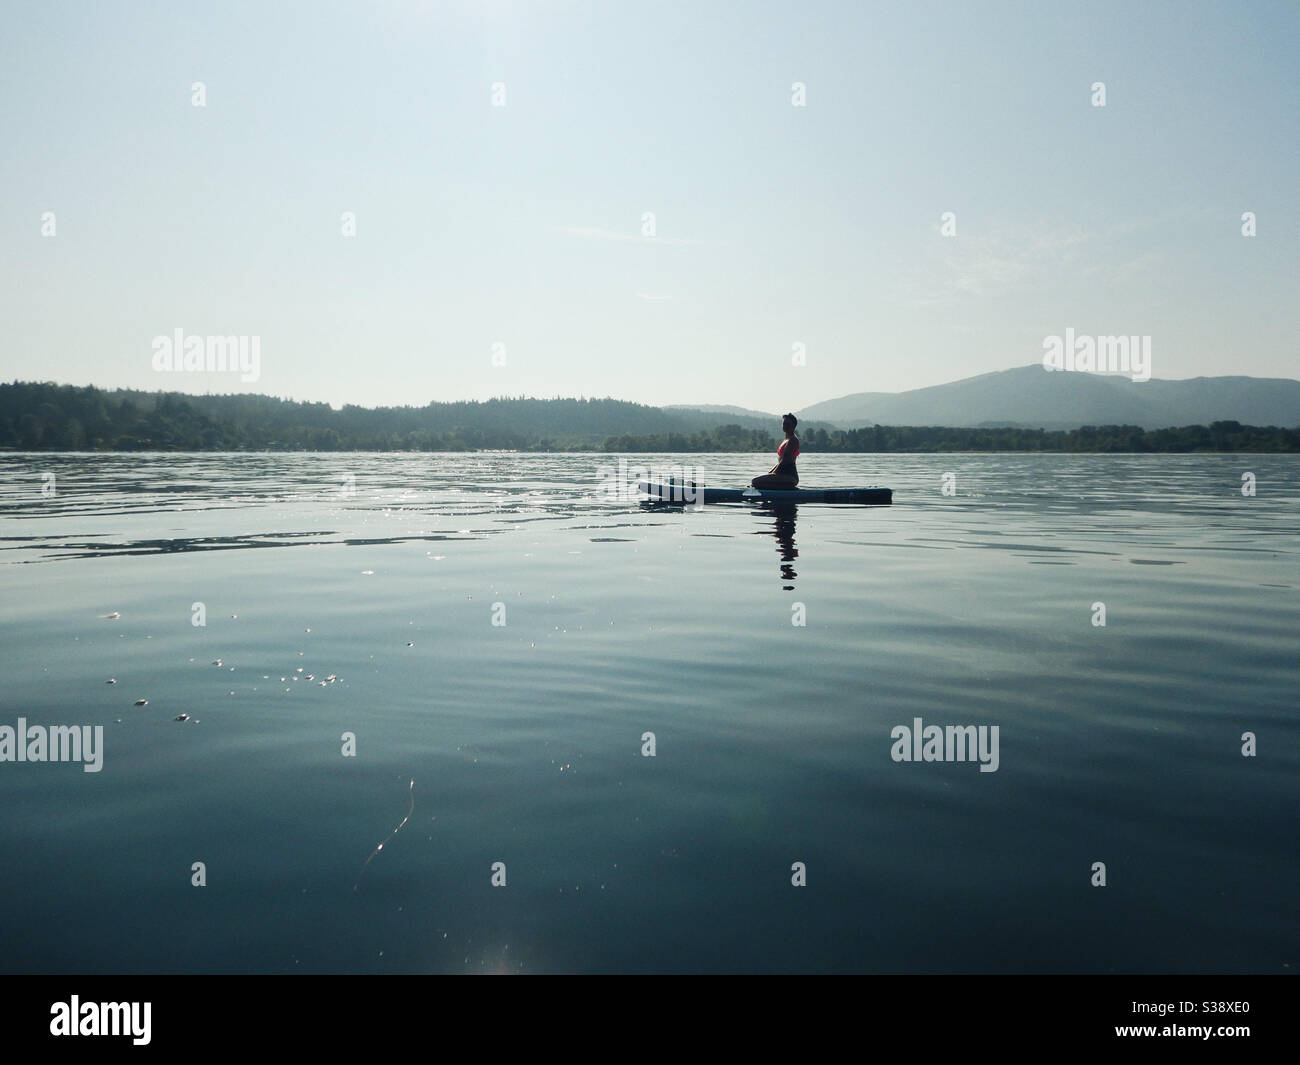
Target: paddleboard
<point>677,492</point>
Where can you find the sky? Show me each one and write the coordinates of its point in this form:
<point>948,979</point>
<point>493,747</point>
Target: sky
<point>638,200</point>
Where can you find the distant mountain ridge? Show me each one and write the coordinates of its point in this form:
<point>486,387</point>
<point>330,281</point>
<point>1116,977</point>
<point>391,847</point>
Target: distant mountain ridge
<point>721,408</point>
<point>714,413</point>
<point>1035,397</point>
<point>1027,408</point>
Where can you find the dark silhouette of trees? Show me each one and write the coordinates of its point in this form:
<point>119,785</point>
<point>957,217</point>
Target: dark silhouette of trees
<point>50,417</point>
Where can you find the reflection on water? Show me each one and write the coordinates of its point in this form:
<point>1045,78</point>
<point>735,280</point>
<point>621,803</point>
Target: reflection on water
<point>776,519</point>
<point>524,740</point>
<point>90,505</point>
<point>781,526</point>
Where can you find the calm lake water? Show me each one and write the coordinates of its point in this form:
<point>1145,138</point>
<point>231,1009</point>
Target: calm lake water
<point>499,632</point>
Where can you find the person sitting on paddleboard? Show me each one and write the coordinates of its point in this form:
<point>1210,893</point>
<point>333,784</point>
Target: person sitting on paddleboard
<point>783,474</point>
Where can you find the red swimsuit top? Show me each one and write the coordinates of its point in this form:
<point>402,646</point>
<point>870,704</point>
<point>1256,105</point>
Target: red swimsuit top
<point>780,451</point>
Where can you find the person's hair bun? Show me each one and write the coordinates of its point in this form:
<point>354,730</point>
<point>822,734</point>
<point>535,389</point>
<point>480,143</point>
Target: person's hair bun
<point>791,417</point>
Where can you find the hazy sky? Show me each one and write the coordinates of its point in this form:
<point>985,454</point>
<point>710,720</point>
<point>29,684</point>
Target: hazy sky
<point>522,225</point>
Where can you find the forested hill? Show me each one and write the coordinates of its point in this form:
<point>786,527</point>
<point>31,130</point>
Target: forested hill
<point>65,417</point>
<point>49,417</point>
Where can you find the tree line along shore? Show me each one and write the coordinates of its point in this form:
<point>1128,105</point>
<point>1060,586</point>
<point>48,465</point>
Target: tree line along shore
<point>51,417</point>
